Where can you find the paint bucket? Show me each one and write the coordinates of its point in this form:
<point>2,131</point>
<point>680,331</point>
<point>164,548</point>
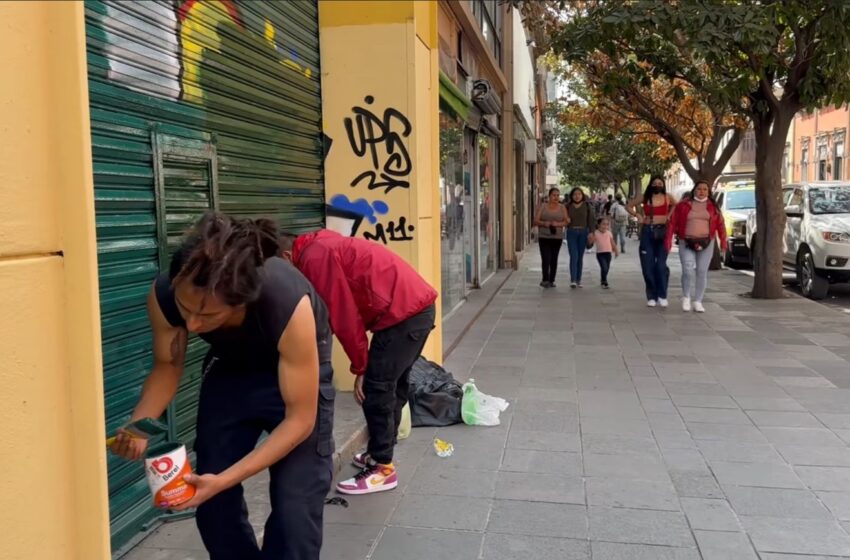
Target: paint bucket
<point>165,466</point>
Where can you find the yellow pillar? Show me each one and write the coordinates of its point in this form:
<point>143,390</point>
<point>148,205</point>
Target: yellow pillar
<point>53,494</point>
<point>380,112</point>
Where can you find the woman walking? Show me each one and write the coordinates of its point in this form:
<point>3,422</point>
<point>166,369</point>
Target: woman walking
<point>582,222</point>
<point>697,224</point>
<point>655,208</point>
<point>551,219</point>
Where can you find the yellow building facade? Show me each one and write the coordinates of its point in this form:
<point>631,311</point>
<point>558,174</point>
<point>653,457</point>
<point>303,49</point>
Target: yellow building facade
<point>380,117</point>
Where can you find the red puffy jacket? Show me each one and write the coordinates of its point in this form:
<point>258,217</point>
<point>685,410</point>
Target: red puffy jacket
<point>679,221</point>
<point>365,286</point>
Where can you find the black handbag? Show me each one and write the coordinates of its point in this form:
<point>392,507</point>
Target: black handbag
<point>700,244</point>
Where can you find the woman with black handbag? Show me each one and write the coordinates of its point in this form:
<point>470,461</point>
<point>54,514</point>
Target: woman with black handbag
<point>697,223</point>
<point>655,206</point>
<point>582,223</point>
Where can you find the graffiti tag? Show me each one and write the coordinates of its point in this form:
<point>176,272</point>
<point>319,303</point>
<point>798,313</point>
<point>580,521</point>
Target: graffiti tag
<point>368,133</point>
<point>393,232</point>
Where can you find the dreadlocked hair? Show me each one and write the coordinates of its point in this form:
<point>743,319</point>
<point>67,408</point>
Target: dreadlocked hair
<point>224,255</point>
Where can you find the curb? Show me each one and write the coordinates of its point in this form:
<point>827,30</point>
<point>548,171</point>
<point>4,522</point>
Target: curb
<point>345,452</point>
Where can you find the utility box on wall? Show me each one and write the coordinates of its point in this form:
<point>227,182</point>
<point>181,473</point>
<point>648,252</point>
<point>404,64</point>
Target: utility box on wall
<point>531,151</point>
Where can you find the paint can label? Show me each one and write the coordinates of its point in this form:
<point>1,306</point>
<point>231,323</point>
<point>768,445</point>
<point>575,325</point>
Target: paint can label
<point>165,467</point>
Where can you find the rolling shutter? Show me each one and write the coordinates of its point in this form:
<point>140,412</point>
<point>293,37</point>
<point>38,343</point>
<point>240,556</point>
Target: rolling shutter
<point>194,105</point>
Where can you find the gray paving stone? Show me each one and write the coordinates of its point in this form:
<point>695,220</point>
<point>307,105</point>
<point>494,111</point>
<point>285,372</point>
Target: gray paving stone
<point>724,546</point>
<point>689,460</point>
<point>374,509</point>
<point>610,444</point>
<point>763,418</point>
<point>801,436</point>
<point>836,421</point>
<point>730,432</point>
<point>710,515</point>
<point>537,518</point>
<point>664,406</point>
<point>545,462</point>
<point>510,547</point>
<point>838,503</point>
<point>631,493</point>
<point>637,526</point>
<point>771,556</point>
<point>776,502</point>
<point>474,483</point>
<point>427,544</point>
<point>616,426</point>
<point>825,478</point>
<point>619,551</point>
<point>768,475</point>
<point>797,536</point>
<point>815,455</point>
<point>442,512</point>
<point>696,485</point>
<point>540,488</point>
<point>641,467</point>
<point>348,542</point>
<point>543,441</point>
<point>714,415</point>
<point>714,450</point>
<point>146,553</point>
<point>705,401</point>
<point>769,404</point>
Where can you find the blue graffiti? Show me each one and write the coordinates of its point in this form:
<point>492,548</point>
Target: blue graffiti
<point>361,206</point>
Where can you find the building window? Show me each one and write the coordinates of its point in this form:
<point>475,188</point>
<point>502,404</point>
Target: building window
<point>804,162</point>
<point>748,148</point>
<point>489,16</point>
<point>785,163</point>
<point>822,159</point>
<point>838,159</point>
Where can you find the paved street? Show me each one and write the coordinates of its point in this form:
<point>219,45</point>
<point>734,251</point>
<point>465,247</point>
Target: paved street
<point>633,434</point>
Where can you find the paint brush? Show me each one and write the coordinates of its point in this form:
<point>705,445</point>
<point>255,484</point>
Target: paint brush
<point>144,428</point>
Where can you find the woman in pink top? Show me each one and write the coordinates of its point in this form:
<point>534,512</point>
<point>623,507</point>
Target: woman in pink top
<point>698,224</point>
<point>605,246</point>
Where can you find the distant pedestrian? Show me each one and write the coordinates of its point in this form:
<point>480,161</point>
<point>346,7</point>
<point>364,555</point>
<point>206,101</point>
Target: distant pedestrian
<point>582,222</point>
<point>606,248</point>
<point>653,209</point>
<point>619,222</point>
<point>697,223</point>
<point>606,209</point>
<point>551,219</point>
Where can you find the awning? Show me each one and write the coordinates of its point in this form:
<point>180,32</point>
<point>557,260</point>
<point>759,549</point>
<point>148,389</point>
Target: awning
<point>452,99</point>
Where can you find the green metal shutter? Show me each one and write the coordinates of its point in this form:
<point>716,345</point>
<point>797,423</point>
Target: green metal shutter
<point>194,105</point>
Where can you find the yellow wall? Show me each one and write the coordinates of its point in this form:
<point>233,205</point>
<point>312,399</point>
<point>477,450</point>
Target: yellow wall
<point>391,57</point>
<point>53,497</point>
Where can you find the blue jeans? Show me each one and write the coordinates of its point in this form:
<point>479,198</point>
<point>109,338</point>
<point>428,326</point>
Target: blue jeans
<point>619,232</point>
<point>653,262</point>
<point>695,270</point>
<point>577,245</point>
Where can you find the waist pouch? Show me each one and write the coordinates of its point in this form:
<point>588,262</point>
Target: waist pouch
<point>699,244</point>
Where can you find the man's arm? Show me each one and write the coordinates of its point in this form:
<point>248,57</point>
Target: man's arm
<point>169,355</point>
<point>329,280</point>
<point>298,378</point>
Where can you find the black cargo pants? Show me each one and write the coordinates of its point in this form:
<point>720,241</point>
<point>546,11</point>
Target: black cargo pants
<point>392,354</point>
<point>235,408</point>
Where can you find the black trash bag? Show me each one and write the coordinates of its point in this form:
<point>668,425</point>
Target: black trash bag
<point>435,396</point>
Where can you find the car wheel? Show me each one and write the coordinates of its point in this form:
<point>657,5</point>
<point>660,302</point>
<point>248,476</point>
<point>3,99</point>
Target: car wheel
<point>812,284</point>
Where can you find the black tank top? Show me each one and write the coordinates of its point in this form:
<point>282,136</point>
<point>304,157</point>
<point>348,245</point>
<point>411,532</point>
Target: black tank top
<point>252,346</point>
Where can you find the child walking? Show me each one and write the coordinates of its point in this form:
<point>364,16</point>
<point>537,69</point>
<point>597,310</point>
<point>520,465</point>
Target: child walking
<point>605,246</point>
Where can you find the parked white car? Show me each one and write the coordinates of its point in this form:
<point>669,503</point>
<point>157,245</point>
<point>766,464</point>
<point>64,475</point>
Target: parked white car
<point>817,235</point>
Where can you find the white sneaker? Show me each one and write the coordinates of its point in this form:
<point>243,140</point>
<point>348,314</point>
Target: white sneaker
<point>698,307</point>
<point>663,302</point>
<point>651,303</point>
<point>686,304</point>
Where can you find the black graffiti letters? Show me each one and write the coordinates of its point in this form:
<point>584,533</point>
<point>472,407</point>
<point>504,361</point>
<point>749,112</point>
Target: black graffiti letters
<point>393,232</point>
<point>382,139</point>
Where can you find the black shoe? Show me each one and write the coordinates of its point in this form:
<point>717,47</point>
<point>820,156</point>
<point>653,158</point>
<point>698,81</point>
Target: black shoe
<point>543,283</point>
<point>552,285</point>
<point>605,285</point>
<point>573,285</point>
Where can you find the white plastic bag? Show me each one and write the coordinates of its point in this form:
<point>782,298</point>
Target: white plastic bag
<point>479,409</point>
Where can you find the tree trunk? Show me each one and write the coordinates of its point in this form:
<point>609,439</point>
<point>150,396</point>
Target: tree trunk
<point>771,130</point>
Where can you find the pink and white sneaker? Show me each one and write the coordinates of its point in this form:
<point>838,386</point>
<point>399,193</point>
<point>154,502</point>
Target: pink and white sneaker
<point>373,478</point>
<point>360,460</point>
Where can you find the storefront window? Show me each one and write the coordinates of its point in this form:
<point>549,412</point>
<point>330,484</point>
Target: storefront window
<point>452,212</point>
<point>488,204</point>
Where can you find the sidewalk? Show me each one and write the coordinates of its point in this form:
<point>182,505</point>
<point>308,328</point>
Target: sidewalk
<point>634,434</point>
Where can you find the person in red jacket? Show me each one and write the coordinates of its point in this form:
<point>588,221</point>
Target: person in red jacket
<point>367,287</point>
<point>697,223</point>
